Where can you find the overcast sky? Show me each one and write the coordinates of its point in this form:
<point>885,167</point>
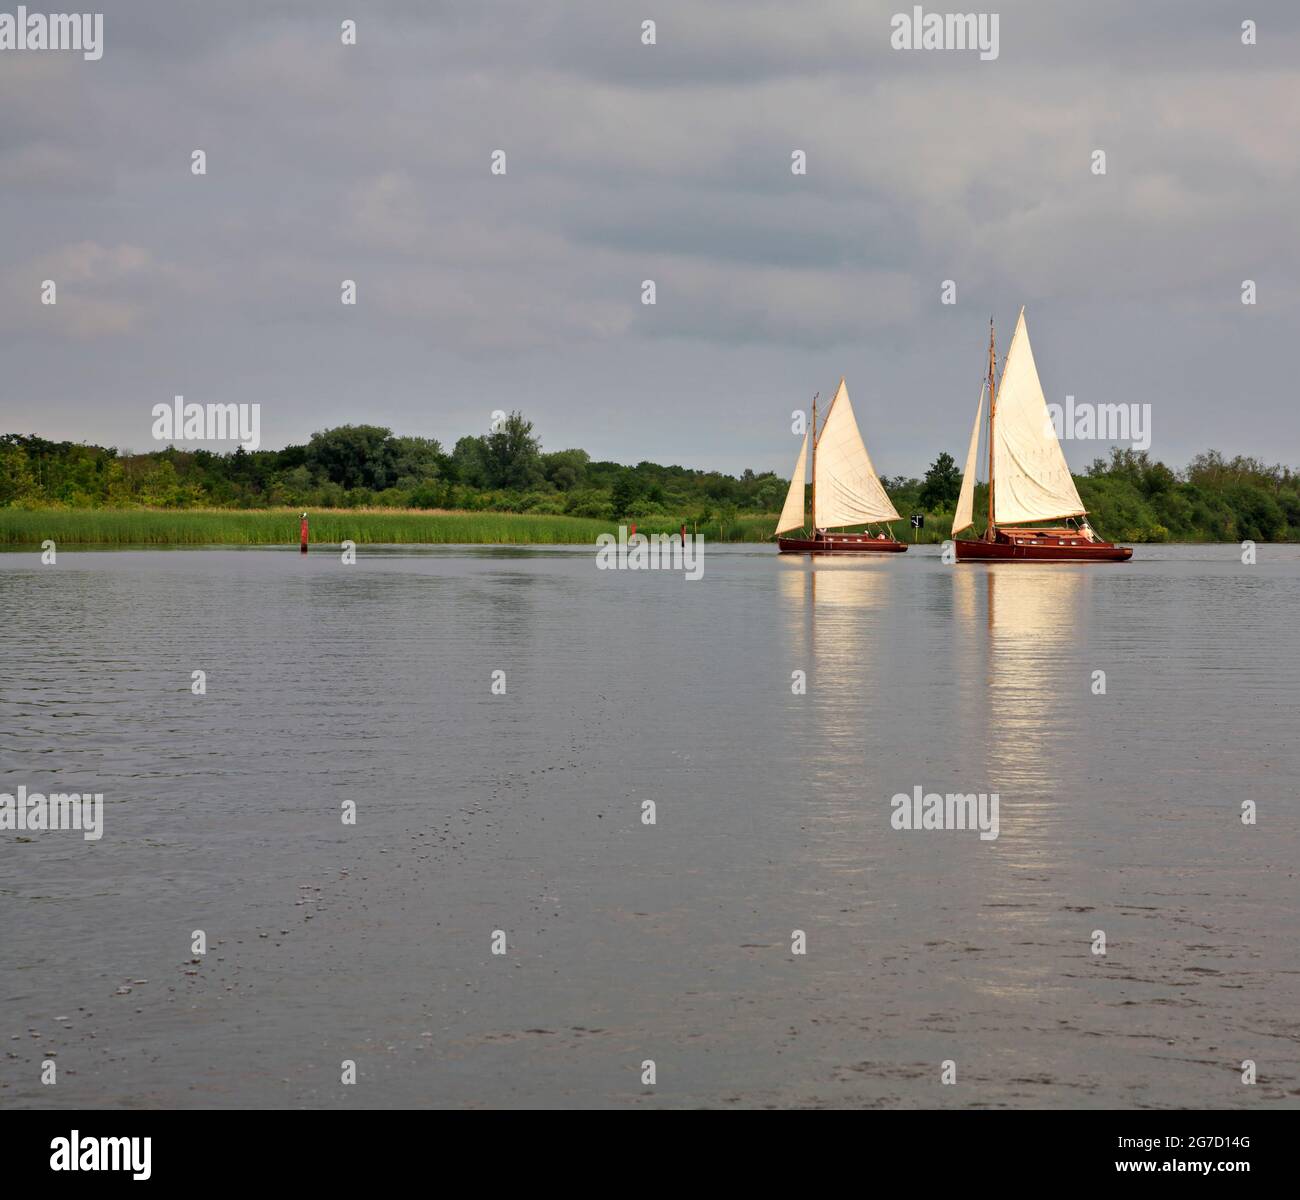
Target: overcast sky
<point>669,162</point>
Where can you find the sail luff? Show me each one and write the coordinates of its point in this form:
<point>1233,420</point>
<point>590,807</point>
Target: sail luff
<point>813,433</point>
<point>1033,479</point>
<point>792,511</point>
<point>847,489</point>
<point>990,531</point>
<point>964,517</point>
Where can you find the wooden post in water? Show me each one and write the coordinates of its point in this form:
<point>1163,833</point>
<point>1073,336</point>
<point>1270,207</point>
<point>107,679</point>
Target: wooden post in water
<point>302,535</point>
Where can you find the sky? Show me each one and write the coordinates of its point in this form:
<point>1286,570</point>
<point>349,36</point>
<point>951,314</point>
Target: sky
<point>670,162</point>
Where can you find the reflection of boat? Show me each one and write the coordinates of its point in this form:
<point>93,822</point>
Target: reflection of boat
<point>1032,707</point>
<point>1029,479</point>
<point>840,624</point>
<point>845,490</point>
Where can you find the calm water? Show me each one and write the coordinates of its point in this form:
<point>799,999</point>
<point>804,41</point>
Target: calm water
<point>671,942</point>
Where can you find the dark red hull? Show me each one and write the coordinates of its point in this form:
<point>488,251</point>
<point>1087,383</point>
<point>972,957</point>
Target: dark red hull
<point>847,543</point>
<point>1041,546</point>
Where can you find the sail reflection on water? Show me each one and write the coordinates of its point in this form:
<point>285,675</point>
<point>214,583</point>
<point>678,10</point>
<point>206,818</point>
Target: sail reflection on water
<point>1033,613</point>
<point>838,629</point>
<point>968,667</point>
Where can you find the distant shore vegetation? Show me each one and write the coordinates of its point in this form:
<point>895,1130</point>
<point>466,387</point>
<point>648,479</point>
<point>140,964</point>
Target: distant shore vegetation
<point>426,494</point>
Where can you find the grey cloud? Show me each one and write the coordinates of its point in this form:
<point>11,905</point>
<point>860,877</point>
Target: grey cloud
<point>668,162</point>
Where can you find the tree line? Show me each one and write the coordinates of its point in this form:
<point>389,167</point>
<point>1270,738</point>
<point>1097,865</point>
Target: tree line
<point>363,466</point>
<point>1130,496</point>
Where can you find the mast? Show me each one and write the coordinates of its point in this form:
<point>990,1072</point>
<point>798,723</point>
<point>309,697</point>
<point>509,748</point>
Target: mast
<point>814,463</point>
<point>990,533</point>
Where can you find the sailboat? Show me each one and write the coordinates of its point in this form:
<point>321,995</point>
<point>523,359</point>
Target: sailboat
<point>845,489</point>
<point>1029,479</point>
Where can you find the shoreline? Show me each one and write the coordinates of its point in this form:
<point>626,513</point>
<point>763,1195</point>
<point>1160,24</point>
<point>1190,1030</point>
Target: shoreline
<point>144,528</point>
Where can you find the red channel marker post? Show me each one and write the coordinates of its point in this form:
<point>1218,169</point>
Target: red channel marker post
<point>302,535</point>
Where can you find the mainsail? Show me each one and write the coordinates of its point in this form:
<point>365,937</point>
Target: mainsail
<point>792,511</point>
<point>1032,481</point>
<point>847,489</point>
<point>965,514</point>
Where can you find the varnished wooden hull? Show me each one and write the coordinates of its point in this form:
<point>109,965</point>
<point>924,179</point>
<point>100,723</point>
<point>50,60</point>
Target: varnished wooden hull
<point>851,543</point>
<point>1021,548</point>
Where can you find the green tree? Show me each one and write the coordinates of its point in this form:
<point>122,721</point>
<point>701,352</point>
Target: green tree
<point>626,492</point>
<point>352,455</point>
<point>414,460</point>
<point>161,487</point>
<point>467,462</point>
<point>17,481</point>
<point>512,455</point>
<point>942,483</point>
<point>770,495</point>
<point>565,469</point>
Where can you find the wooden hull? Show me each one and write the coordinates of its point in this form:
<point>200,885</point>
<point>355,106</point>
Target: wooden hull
<point>851,543</point>
<point>1024,547</point>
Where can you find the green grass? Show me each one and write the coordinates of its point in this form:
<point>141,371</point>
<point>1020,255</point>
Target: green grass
<point>271,527</point>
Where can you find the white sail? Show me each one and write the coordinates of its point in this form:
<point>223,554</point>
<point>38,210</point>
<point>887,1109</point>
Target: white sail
<point>965,514</point>
<point>792,511</point>
<point>1031,480</point>
<point>847,489</point>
